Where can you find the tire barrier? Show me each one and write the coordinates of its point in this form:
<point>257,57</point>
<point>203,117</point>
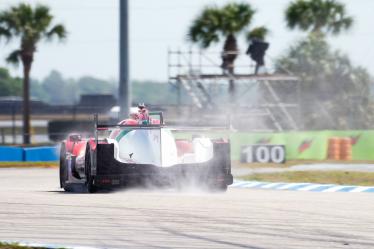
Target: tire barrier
<point>32,154</point>
<point>346,149</point>
<point>333,151</point>
<point>339,148</point>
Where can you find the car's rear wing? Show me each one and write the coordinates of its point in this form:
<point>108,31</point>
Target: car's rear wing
<point>155,115</point>
<point>152,116</point>
<point>148,125</point>
<point>159,116</point>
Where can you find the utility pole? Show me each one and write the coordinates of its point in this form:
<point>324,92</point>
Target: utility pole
<point>124,96</point>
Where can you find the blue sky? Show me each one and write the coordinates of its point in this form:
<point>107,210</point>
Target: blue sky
<point>92,44</point>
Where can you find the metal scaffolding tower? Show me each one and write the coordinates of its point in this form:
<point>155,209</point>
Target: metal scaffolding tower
<point>200,76</point>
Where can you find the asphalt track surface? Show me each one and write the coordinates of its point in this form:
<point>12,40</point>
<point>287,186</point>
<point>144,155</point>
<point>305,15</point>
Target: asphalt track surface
<point>34,209</point>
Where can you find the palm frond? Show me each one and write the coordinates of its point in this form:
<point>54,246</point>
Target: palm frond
<point>321,16</point>
<point>338,26</point>
<point>299,14</point>
<point>216,23</point>
<point>205,28</point>
<point>8,21</point>
<point>57,31</point>
<point>29,24</point>
<point>24,14</point>
<point>14,57</point>
<point>235,17</point>
<point>5,33</point>
<point>41,17</point>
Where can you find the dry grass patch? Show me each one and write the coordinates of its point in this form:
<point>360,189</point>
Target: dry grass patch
<point>28,164</point>
<point>17,246</point>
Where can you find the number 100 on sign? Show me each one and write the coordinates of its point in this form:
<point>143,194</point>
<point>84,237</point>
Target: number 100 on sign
<point>263,154</point>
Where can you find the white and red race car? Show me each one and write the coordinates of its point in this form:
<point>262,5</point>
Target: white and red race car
<point>135,153</point>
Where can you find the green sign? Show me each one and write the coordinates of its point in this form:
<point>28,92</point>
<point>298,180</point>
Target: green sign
<point>310,145</point>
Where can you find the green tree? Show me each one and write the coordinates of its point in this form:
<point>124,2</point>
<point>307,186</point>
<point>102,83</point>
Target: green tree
<point>37,91</point>
<point>9,86</point>
<point>334,93</point>
<point>215,24</point>
<point>28,25</point>
<point>91,85</point>
<point>156,93</point>
<point>60,91</point>
<point>318,16</point>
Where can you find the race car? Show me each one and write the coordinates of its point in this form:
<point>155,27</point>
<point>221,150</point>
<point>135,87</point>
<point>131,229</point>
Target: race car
<point>142,152</point>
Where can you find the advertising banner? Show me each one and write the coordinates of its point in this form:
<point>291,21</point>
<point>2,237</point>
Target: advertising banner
<point>309,145</point>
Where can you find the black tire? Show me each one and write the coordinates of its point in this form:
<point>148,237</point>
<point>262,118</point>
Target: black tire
<point>222,188</point>
<point>89,185</point>
<point>63,172</point>
<point>218,187</point>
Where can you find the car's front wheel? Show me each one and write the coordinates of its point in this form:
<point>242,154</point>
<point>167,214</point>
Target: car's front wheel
<point>63,170</point>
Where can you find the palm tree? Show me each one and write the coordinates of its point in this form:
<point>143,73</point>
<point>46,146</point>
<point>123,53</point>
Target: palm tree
<point>29,25</point>
<point>214,24</point>
<point>318,16</point>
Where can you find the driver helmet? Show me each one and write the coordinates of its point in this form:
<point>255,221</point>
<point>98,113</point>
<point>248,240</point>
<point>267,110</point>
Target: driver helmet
<point>134,114</point>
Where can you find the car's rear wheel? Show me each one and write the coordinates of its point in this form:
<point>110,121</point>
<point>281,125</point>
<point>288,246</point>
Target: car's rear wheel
<point>64,170</point>
<point>90,187</point>
<point>219,188</point>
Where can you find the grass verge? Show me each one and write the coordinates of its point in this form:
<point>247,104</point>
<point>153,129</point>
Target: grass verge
<point>323,177</point>
<point>28,165</point>
<point>17,246</point>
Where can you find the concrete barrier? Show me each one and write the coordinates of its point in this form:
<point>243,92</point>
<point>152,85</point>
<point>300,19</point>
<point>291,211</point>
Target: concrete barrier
<point>11,154</point>
<point>41,154</point>
<point>32,154</point>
